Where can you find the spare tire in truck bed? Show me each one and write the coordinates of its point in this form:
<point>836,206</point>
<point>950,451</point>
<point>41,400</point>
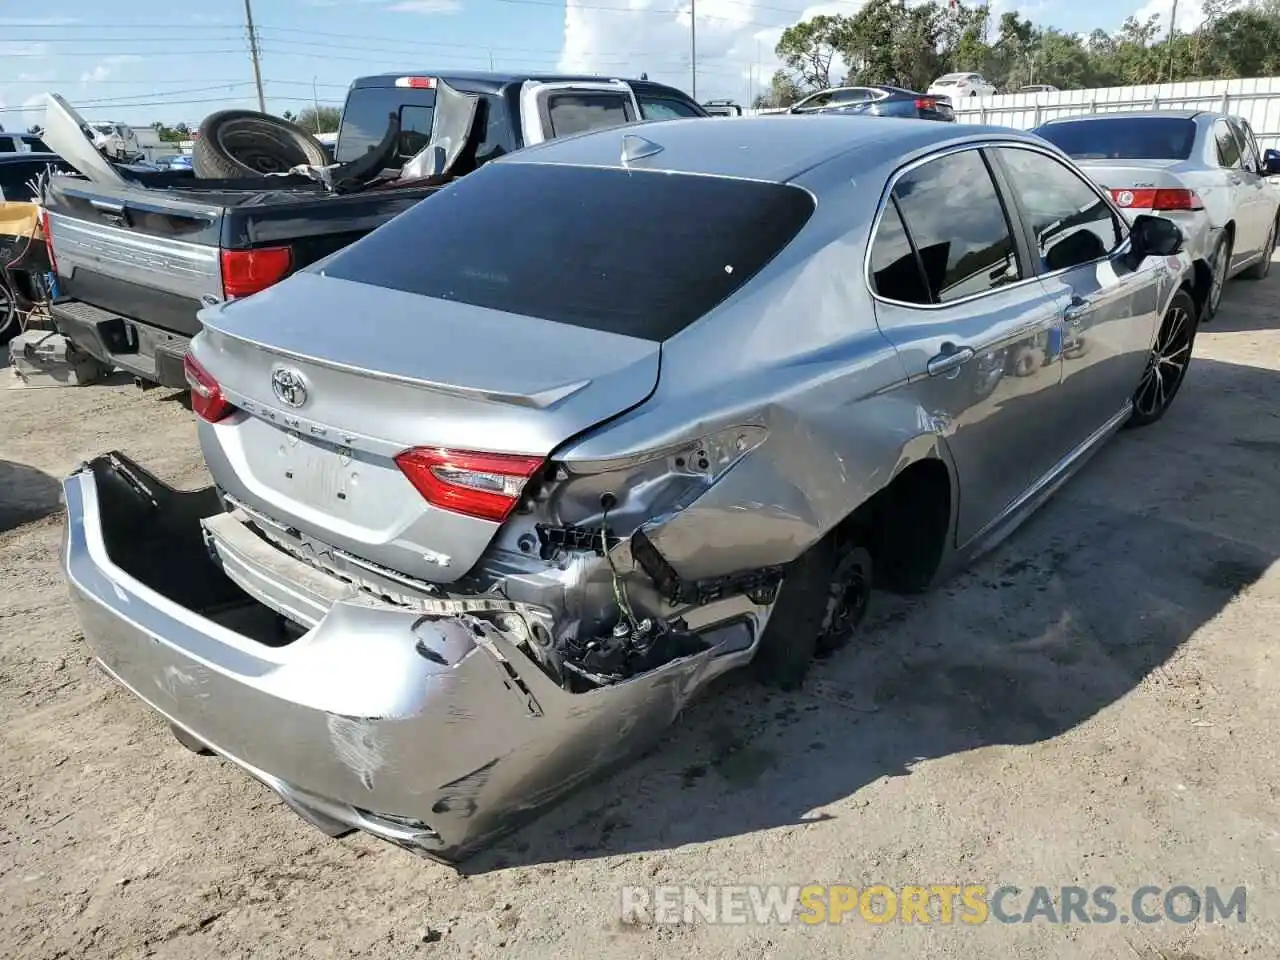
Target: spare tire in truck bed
<point>245,143</point>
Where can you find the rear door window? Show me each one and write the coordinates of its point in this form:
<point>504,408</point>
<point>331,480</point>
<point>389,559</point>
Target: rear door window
<point>1071,223</point>
<point>636,253</point>
<point>1228,145</point>
<point>958,226</point>
<point>573,112</point>
<point>895,268</point>
<point>6,145</point>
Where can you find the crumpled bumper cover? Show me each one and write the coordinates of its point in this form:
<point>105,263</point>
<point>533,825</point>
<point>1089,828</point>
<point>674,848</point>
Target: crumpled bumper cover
<point>438,734</point>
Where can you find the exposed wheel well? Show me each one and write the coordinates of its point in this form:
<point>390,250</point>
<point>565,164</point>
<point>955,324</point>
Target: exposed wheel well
<point>905,526</point>
<point>1199,284</point>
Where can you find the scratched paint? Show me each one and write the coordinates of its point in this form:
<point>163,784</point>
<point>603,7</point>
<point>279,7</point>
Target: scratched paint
<point>357,746</point>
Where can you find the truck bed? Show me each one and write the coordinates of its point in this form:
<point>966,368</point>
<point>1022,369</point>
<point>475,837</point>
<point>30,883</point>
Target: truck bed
<point>136,263</point>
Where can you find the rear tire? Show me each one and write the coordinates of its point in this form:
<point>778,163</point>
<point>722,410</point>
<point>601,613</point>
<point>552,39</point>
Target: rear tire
<point>808,619</point>
<point>1220,265</point>
<point>8,313</point>
<point>1259,270</point>
<point>1167,365</point>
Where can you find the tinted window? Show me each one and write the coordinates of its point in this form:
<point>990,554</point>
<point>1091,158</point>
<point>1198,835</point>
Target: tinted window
<point>1228,146</point>
<point>662,108</point>
<point>571,113</point>
<point>1128,138</point>
<point>368,112</point>
<point>895,271</point>
<point>1071,223</point>
<point>6,145</point>
<point>14,181</point>
<point>636,253</point>
<point>1248,146</point>
<point>36,145</point>
<point>958,225</point>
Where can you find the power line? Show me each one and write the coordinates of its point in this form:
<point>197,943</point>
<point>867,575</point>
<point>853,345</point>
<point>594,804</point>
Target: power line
<point>180,103</point>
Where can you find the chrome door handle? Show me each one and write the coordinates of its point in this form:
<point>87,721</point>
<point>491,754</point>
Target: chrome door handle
<point>949,360</point>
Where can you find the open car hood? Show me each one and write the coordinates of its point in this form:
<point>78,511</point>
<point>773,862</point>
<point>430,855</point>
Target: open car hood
<point>67,134</point>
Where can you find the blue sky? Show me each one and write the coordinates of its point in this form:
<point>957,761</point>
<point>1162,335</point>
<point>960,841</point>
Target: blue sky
<point>159,61</point>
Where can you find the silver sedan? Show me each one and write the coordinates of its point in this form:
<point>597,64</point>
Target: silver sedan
<point>504,484</point>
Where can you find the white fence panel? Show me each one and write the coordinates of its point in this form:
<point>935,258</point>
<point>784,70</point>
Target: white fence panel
<point>1256,99</point>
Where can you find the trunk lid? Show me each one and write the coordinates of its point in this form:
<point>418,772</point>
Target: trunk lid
<point>383,371</point>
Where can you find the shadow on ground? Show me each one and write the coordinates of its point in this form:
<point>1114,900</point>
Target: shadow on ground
<point>1104,584</point>
<point>26,494</point>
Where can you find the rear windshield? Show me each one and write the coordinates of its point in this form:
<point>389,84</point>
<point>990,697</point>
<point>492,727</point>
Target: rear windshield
<point>635,253</point>
<point>368,111</point>
<point>1123,138</point>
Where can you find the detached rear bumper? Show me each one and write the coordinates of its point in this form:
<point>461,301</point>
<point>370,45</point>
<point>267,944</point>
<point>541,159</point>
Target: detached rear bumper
<point>435,733</point>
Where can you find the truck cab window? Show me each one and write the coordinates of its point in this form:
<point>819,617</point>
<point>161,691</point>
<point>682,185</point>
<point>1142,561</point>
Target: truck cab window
<point>571,113</point>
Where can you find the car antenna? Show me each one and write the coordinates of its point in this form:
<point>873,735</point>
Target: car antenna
<point>637,148</point>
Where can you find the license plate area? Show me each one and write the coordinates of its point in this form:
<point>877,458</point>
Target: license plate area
<point>317,473</point>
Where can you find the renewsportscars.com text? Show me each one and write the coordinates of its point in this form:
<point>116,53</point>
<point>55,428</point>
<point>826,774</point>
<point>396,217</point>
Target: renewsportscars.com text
<point>967,904</point>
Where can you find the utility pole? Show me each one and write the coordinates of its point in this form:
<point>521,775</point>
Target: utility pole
<point>253,54</point>
<point>315,101</point>
<point>1173,22</point>
<point>693,49</point>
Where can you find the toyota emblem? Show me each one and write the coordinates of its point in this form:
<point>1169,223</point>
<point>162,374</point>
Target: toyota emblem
<point>1125,198</point>
<point>288,386</point>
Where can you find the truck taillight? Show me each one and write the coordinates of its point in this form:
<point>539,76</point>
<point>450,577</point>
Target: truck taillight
<point>482,485</point>
<point>245,272</point>
<point>207,401</point>
<point>48,239</point>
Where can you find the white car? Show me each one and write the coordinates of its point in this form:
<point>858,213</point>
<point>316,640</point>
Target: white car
<point>1202,170</point>
<point>957,85</point>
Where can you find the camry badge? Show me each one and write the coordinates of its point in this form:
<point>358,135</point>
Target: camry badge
<point>288,386</point>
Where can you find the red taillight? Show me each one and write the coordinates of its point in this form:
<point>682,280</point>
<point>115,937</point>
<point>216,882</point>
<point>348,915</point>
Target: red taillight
<point>48,239</point>
<point>207,400</point>
<point>483,485</point>
<point>247,271</point>
<point>926,103</point>
<point>1164,198</point>
<point>416,83</point>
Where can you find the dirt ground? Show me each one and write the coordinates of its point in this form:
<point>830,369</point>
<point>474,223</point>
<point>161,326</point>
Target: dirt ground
<point>1095,703</point>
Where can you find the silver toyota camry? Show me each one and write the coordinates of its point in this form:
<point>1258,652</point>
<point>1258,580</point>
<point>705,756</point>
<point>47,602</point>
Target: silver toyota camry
<point>504,484</point>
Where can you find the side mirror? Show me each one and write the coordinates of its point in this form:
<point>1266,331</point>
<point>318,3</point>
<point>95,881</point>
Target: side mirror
<point>1271,163</point>
<point>1155,237</point>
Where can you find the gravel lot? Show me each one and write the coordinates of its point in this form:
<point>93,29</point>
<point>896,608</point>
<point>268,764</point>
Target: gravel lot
<point>1094,703</point>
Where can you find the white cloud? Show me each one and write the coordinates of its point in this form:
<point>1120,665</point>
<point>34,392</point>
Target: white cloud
<point>29,113</point>
<point>19,49</point>
<point>735,42</point>
<point>426,6</point>
<point>107,66</point>
<point>1190,14</point>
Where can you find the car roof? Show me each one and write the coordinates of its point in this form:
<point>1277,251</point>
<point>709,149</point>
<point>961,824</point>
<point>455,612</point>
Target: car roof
<point>483,81</point>
<point>1133,115</point>
<point>776,148</point>
<point>33,155</point>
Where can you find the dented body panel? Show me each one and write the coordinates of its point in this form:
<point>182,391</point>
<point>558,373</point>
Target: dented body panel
<point>375,718</point>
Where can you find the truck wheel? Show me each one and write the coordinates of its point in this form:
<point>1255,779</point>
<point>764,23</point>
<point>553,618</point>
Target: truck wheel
<point>8,313</point>
<point>819,606</point>
<point>234,144</point>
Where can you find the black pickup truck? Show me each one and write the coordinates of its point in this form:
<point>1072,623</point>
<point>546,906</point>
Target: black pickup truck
<point>136,262</point>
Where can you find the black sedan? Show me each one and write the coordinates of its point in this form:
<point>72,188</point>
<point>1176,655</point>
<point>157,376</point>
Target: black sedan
<point>877,101</point>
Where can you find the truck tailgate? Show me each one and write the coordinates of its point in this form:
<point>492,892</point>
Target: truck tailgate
<point>135,251</point>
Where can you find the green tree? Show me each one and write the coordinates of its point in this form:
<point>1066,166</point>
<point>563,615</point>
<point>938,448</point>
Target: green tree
<point>783,91</point>
<point>324,120</point>
<point>809,47</point>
